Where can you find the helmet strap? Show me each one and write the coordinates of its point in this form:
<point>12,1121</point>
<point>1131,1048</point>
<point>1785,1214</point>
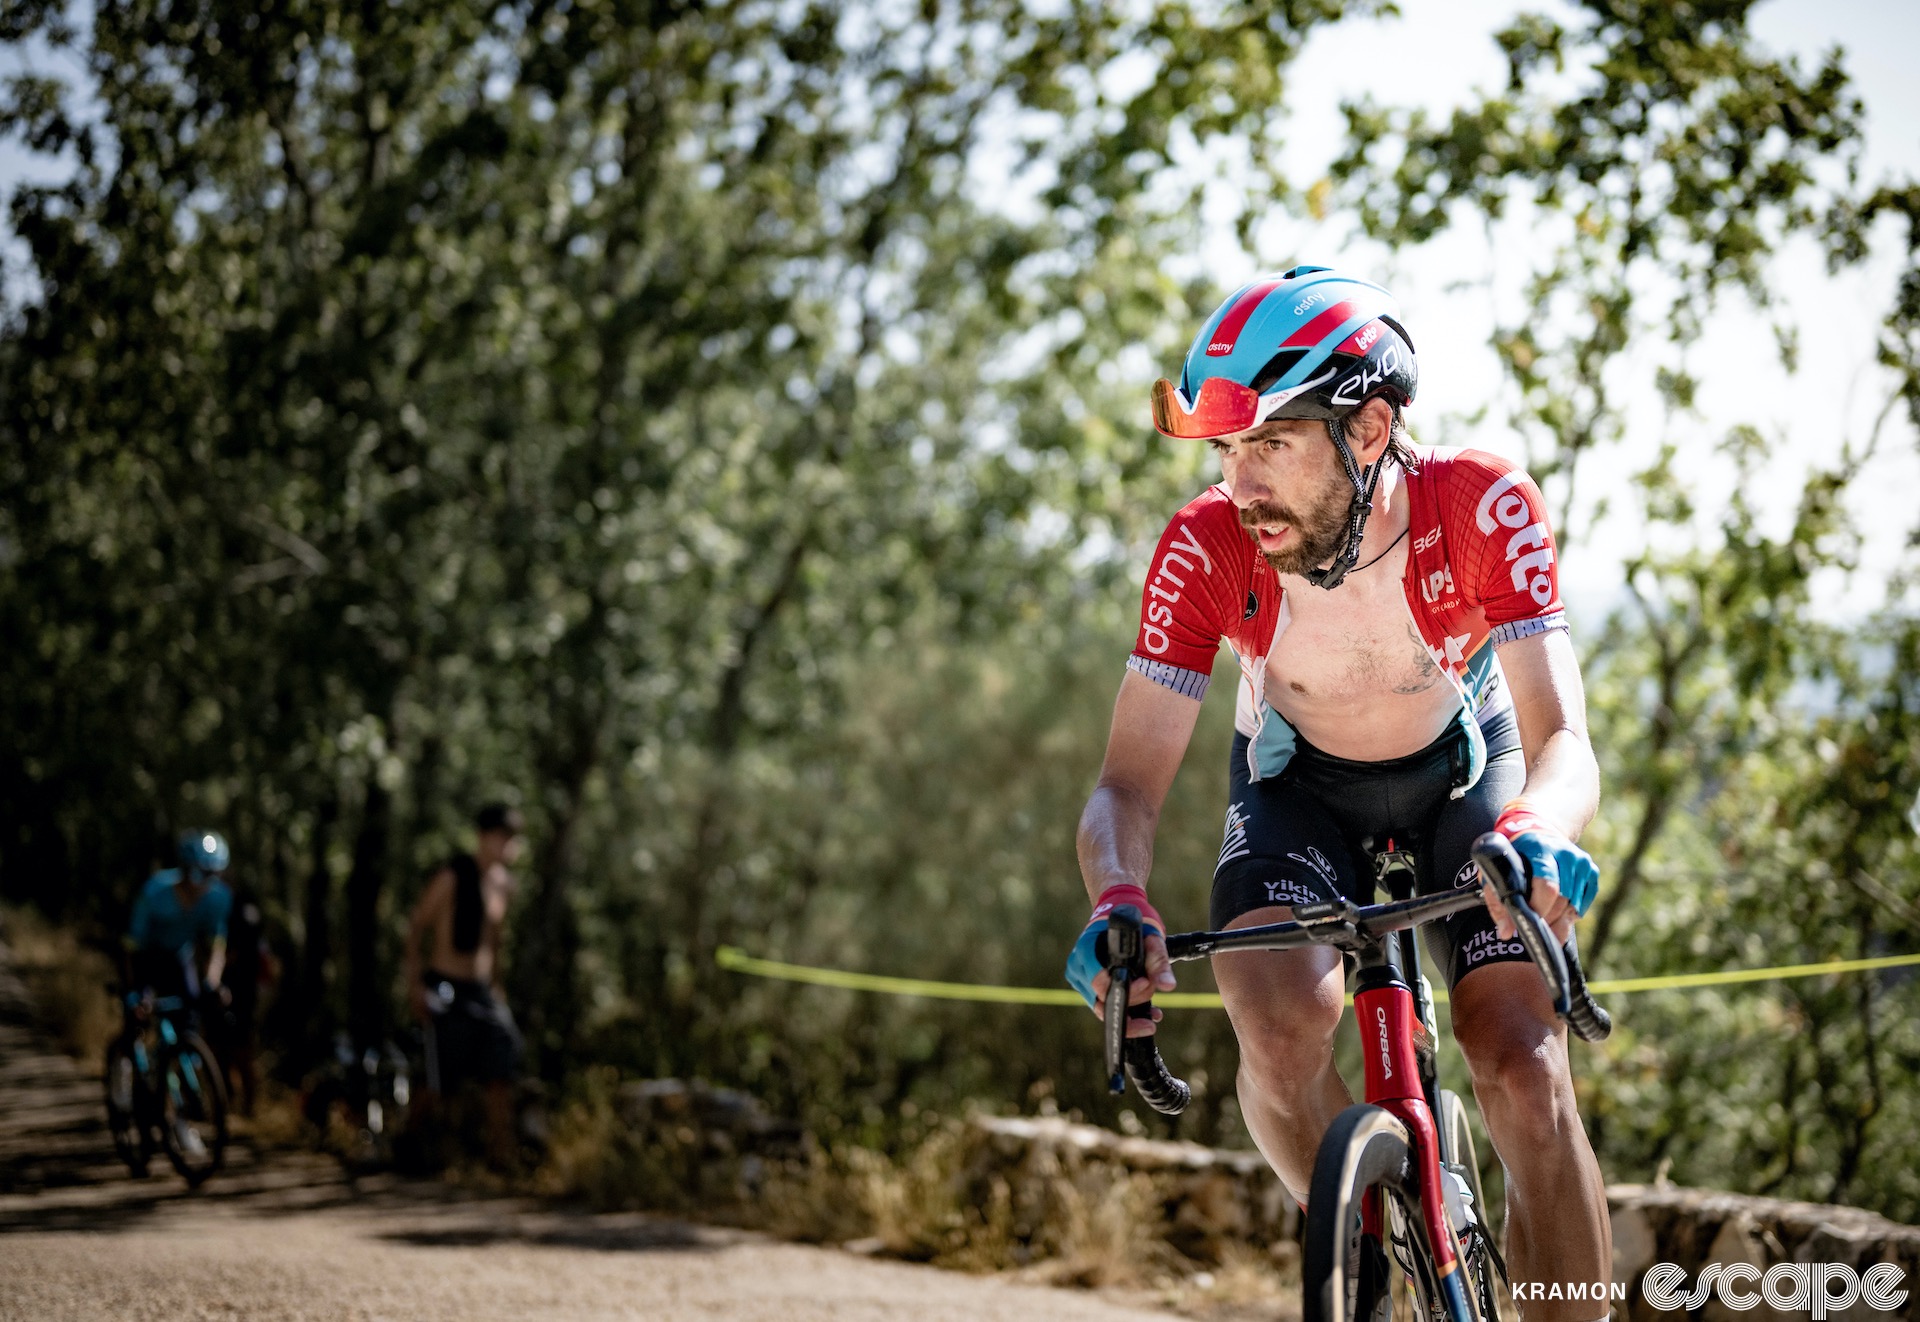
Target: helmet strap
<point>1357,509</point>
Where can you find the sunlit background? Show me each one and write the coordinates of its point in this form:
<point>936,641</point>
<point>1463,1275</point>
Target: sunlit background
<point>729,442</point>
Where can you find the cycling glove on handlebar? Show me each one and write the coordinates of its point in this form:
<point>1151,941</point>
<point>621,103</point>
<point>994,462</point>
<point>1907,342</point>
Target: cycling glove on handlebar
<point>1550,854</point>
<point>1083,964</point>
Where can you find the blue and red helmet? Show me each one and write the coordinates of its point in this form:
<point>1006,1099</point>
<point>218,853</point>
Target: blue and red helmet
<point>1308,343</point>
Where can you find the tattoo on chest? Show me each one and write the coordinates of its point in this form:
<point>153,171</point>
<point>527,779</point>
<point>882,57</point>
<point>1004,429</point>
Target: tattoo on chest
<point>1428,673</point>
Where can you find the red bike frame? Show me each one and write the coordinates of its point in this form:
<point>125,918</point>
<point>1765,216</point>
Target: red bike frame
<point>1387,1018</point>
<point>1389,1015</point>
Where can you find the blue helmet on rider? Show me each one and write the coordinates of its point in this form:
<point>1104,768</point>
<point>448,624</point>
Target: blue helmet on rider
<point>204,851</point>
<point>1307,343</point>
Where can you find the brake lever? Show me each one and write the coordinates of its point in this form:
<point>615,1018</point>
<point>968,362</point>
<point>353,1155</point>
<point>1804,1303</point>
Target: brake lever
<point>1502,867</point>
<point>1137,1058</point>
<point>1125,955</point>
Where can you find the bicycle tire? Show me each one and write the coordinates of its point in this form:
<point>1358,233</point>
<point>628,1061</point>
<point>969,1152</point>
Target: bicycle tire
<point>123,1123</point>
<point>1344,1277</point>
<point>1457,1148</point>
<point>192,1062</point>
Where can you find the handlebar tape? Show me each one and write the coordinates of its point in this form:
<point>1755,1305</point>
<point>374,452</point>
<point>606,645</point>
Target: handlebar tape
<point>1156,1084</point>
<point>1588,1019</point>
<point>1126,958</point>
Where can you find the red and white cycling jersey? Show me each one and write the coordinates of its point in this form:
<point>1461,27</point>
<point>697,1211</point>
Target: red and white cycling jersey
<point>1481,572</point>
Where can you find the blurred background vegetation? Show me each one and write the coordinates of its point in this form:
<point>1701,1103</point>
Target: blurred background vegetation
<point>719,428</point>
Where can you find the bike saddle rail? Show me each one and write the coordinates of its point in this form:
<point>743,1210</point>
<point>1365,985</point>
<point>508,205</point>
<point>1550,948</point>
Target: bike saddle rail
<point>1344,926</point>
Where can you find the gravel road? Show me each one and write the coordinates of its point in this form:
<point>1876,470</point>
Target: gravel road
<point>282,1234</point>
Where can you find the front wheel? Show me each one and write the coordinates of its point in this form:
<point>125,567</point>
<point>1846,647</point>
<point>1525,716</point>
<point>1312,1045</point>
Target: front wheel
<point>1364,1158</point>
<point>1478,1244</point>
<point>193,1110</point>
<point>123,1083</point>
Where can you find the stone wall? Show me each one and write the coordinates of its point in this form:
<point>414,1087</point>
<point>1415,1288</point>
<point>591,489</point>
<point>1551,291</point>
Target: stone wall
<point>1212,1198</point>
<point>1206,1198</point>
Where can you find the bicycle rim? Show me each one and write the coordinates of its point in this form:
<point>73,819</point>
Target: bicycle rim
<point>1345,1272</point>
<point>1457,1148</point>
<point>193,1110</point>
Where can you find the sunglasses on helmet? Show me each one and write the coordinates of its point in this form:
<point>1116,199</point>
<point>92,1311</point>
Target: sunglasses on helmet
<point>1222,408</point>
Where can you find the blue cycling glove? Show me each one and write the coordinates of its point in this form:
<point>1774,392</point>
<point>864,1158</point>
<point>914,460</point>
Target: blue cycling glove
<point>1551,855</point>
<point>1083,964</point>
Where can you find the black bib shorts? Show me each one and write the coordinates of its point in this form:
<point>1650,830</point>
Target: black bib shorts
<point>1301,837</point>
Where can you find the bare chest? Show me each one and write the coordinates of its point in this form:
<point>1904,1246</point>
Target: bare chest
<point>1352,674</point>
<point>496,895</point>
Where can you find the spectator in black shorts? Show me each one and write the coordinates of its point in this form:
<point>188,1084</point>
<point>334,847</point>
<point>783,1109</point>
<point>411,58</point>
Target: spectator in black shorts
<point>250,967</point>
<point>456,994</point>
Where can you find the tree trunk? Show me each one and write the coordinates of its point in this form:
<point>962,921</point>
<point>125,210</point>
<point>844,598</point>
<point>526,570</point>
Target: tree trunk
<point>367,989</point>
<point>314,1022</point>
<point>546,985</point>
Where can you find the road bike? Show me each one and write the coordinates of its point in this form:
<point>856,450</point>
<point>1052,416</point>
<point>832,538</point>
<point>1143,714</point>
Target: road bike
<point>1395,1179</point>
<point>164,1090</point>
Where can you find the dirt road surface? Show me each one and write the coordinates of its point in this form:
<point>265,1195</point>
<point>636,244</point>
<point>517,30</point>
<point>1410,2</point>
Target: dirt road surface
<point>283,1234</point>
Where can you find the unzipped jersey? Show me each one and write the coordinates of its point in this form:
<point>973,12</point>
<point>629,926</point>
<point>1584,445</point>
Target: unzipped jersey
<point>1481,571</point>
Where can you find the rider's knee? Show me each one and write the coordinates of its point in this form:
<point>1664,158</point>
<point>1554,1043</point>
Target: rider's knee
<point>1287,1042</point>
<point>1519,1069</point>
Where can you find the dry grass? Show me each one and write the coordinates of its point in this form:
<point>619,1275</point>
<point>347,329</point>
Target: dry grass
<point>67,980</point>
<point>1094,1227</point>
<point>276,1121</point>
<point>594,1158</point>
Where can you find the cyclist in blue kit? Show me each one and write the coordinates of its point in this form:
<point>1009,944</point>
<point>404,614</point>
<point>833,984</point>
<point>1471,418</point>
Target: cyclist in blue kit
<point>179,912</point>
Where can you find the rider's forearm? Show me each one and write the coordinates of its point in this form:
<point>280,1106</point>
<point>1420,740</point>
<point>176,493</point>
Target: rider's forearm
<point>216,963</point>
<point>1116,838</point>
<point>1563,782</point>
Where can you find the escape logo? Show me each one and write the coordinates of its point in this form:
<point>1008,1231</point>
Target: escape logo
<point>1820,1288</point>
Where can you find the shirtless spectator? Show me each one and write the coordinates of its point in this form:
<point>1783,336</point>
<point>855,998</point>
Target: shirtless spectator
<point>457,996</point>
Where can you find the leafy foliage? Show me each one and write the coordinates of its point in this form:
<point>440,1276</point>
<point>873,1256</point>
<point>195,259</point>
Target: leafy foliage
<point>1756,757</point>
<point>573,400</point>
<point>716,427</point>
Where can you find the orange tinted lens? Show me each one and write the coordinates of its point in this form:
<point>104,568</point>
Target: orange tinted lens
<point>1223,407</point>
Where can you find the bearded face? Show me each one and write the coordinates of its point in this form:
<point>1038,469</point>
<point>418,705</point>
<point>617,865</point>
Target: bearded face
<point>1310,530</point>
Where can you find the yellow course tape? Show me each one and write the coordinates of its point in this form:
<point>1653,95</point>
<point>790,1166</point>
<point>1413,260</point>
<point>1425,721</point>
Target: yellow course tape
<point>739,961</point>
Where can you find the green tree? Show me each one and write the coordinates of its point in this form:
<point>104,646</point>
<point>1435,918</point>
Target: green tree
<point>1740,825</point>
<point>562,398</point>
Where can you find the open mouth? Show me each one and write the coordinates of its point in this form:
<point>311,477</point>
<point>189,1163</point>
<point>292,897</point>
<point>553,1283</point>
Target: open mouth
<point>1271,535</point>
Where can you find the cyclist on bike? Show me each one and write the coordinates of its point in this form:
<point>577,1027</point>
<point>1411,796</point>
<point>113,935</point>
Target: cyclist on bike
<point>178,911</point>
<point>1406,676</point>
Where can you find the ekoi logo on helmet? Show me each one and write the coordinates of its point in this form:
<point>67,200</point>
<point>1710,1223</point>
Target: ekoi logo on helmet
<point>1370,372</point>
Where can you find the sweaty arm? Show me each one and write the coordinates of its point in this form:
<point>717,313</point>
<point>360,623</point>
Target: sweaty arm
<point>1152,726</point>
<point>1196,584</point>
<point>1563,778</point>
